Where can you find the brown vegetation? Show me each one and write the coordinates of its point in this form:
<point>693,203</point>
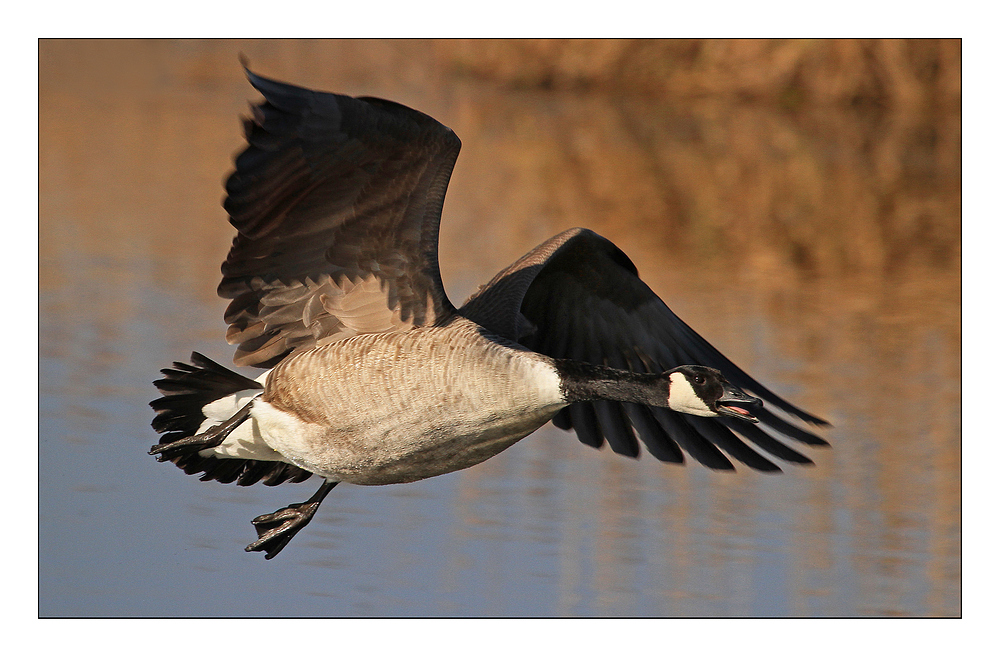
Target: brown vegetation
<point>890,72</point>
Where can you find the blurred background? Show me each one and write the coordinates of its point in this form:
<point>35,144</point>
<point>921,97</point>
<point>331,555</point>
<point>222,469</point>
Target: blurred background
<point>797,202</point>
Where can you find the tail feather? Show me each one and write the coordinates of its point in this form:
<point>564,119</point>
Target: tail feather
<point>187,389</point>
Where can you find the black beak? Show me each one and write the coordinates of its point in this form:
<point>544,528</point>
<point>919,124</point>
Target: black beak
<point>731,395</point>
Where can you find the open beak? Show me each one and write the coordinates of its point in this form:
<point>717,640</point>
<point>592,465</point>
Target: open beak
<point>731,397</point>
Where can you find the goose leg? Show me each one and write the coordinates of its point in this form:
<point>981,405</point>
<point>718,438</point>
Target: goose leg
<point>274,530</point>
<point>211,438</point>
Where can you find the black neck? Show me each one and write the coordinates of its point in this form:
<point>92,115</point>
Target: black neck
<point>586,382</point>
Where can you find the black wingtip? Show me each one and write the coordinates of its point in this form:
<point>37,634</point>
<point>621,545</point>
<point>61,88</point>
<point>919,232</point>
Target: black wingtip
<point>282,95</point>
<point>255,80</point>
<point>814,420</point>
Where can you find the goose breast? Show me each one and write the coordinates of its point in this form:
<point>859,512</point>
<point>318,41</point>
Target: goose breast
<point>399,407</point>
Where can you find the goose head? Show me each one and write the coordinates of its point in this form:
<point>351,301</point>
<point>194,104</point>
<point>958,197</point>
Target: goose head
<point>700,390</point>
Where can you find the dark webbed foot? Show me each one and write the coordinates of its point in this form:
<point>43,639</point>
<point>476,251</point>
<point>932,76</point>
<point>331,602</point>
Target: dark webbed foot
<point>214,437</point>
<point>275,530</point>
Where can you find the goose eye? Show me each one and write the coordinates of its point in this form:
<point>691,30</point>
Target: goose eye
<point>698,379</point>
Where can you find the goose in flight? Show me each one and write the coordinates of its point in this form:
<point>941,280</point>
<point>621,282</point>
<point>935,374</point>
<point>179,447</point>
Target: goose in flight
<point>374,377</point>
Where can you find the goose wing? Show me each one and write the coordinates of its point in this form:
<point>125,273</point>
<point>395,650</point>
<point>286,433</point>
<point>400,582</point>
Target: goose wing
<point>337,202</point>
<point>579,296</point>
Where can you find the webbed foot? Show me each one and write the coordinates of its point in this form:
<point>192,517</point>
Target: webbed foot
<point>275,530</point>
<point>213,437</point>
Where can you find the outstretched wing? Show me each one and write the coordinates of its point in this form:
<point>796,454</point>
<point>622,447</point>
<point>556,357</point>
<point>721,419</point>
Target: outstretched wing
<point>337,202</point>
<point>579,296</point>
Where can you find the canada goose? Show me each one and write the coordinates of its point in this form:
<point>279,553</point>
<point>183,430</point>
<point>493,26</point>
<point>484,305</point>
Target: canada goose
<point>376,378</point>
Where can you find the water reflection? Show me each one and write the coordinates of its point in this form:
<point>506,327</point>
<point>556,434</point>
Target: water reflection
<point>819,248</point>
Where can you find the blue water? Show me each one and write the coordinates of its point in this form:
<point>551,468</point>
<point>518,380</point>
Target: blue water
<point>550,527</point>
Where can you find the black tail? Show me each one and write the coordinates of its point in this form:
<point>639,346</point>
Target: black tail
<point>186,390</point>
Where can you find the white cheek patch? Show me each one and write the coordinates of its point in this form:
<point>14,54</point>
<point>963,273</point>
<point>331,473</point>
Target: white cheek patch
<point>684,399</point>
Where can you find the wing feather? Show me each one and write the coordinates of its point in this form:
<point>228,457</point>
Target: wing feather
<point>337,203</point>
<point>578,296</point>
